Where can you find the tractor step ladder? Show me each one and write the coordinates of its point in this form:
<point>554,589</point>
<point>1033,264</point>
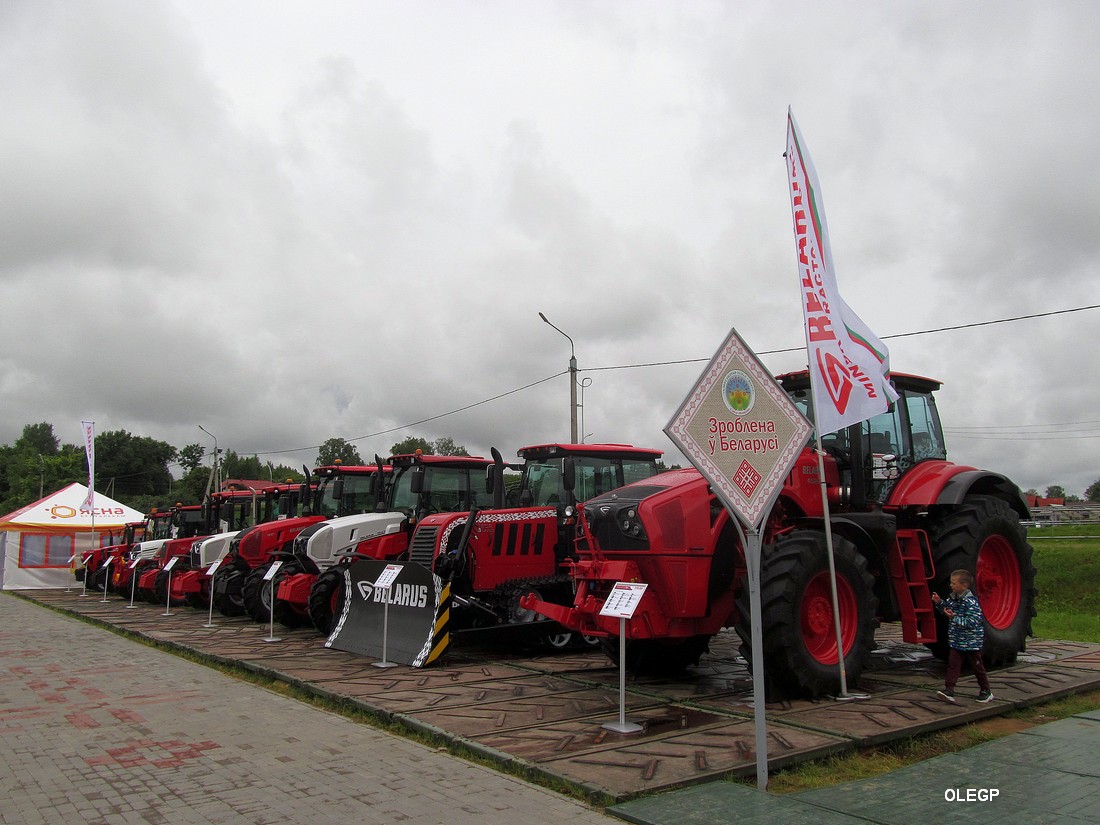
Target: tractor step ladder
<point>911,568</point>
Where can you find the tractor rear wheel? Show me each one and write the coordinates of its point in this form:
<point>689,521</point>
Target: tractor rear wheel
<point>984,536</point>
<point>284,611</point>
<point>227,584</point>
<point>658,657</point>
<point>256,594</point>
<point>796,606</point>
<point>326,599</point>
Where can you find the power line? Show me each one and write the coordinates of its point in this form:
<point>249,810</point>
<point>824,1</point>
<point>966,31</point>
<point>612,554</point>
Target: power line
<point>672,363</point>
<point>430,418</point>
<point>884,338</point>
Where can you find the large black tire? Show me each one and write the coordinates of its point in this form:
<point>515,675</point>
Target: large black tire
<point>98,579</point>
<point>658,657</point>
<point>227,584</point>
<point>285,614</point>
<point>796,606</point>
<point>984,536</point>
<point>160,586</point>
<point>326,599</point>
<point>256,594</point>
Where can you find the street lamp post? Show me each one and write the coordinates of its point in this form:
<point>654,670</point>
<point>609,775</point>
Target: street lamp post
<point>572,384</point>
<point>217,477</point>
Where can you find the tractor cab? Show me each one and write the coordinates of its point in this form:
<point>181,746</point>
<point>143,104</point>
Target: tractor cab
<point>561,475</point>
<point>872,455</point>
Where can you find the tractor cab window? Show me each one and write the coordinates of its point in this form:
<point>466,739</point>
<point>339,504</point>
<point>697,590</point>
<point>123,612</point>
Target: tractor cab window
<point>355,496</point>
<point>542,484</point>
<point>884,442</point>
<point>924,424</point>
<point>447,490</point>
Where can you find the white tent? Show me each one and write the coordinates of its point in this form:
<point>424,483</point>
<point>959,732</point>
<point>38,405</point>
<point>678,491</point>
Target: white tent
<point>40,543</point>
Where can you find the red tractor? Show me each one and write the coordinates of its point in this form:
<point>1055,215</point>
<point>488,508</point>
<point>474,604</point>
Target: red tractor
<point>94,565</point>
<point>902,519</point>
<point>340,490</point>
<point>492,559</point>
<point>261,502</point>
<point>309,583</point>
<point>223,509</point>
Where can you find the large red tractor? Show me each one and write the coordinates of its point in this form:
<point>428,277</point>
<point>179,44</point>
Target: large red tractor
<point>902,516</point>
<point>490,559</point>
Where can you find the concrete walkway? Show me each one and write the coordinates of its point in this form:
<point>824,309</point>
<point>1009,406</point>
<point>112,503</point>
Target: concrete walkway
<point>96,728</point>
<point>1047,774</point>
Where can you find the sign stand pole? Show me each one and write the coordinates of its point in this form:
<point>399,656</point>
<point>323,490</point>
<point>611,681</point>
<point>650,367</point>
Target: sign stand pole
<point>759,699</point>
<point>622,602</point>
<point>268,577</point>
<point>385,583</point>
<point>168,600</point>
<point>622,726</point>
<point>84,561</point>
<point>385,630</point>
<point>133,583</point>
<point>106,576</point>
<point>210,572</point>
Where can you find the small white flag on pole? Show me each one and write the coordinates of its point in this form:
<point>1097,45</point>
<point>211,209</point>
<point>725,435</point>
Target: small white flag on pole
<point>848,364</point>
<point>89,450</point>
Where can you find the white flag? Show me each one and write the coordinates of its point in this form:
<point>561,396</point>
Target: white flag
<point>848,364</point>
<point>89,450</point>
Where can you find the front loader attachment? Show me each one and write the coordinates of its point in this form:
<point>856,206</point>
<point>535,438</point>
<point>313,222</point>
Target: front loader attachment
<point>414,612</point>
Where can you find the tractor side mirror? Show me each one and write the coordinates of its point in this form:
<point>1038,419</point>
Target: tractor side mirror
<point>568,474</point>
<point>416,482</point>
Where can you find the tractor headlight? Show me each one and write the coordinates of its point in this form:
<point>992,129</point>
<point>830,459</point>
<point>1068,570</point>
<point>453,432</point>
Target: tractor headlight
<point>630,524</point>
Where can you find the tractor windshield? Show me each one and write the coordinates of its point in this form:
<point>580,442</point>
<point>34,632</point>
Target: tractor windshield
<point>443,490</point>
<point>542,485</point>
<point>344,495</point>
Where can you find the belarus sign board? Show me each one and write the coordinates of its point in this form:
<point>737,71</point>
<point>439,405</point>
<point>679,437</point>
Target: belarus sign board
<point>740,430</point>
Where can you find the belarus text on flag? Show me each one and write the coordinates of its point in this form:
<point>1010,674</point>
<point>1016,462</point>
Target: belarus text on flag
<point>848,364</point>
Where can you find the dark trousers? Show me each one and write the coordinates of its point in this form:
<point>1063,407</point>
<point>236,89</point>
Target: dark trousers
<point>955,659</point>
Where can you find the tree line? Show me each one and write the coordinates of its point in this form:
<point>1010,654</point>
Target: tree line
<point>135,470</point>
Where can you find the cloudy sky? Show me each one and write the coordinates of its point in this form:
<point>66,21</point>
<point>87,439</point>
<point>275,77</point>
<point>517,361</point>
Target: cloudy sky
<point>289,221</point>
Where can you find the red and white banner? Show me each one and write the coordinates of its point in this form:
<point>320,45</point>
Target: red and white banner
<point>848,364</point>
<point>89,450</point>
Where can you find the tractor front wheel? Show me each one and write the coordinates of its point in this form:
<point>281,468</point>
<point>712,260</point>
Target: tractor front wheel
<point>285,613</point>
<point>326,599</point>
<point>227,584</point>
<point>257,594</point>
<point>797,622</point>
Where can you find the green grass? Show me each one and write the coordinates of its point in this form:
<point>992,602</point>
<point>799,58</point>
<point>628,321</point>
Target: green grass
<point>1068,578</point>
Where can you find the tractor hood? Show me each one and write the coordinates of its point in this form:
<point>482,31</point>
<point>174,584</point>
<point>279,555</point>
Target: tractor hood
<point>325,540</point>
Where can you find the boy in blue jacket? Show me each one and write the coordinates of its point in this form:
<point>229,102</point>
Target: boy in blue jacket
<point>965,635</point>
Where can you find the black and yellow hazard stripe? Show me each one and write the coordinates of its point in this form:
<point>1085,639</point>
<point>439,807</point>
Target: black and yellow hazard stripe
<point>441,634</point>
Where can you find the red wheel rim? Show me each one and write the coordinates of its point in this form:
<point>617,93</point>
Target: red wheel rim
<point>816,618</point>
<point>998,582</point>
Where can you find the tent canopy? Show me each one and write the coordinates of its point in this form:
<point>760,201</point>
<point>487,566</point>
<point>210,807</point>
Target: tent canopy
<point>63,512</point>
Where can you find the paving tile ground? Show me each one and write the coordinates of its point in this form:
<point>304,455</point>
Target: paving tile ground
<point>95,728</point>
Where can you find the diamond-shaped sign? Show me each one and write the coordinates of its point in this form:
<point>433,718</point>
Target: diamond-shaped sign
<point>740,430</point>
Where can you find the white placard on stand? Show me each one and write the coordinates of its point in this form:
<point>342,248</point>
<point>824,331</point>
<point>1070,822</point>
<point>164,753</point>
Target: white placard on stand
<point>385,582</point>
<point>210,574</point>
<point>621,603</point>
<point>168,599</point>
<point>133,582</point>
<point>268,577</point>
